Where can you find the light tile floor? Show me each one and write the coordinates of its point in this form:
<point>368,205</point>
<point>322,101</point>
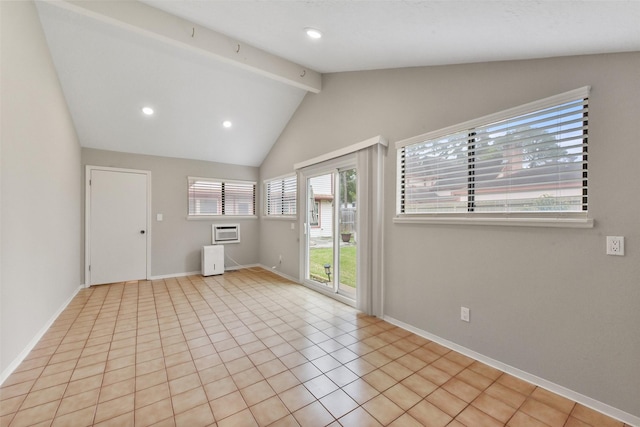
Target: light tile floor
<point>248,348</point>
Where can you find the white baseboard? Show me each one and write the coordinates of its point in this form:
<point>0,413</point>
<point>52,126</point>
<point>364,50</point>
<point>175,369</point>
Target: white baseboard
<point>240,267</point>
<point>280,273</point>
<point>199,272</point>
<point>533,379</point>
<point>233,268</point>
<point>24,353</point>
<point>172,275</point>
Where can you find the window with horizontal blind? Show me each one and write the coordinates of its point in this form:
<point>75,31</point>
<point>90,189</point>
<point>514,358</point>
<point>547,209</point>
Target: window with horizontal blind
<point>210,197</point>
<point>281,194</point>
<point>530,159</point>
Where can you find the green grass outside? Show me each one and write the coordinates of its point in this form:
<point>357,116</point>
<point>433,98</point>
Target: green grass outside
<point>321,256</point>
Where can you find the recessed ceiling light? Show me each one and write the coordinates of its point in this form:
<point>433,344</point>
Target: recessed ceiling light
<point>147,110</point>
<point>227,124</point>
<point>313,33</point>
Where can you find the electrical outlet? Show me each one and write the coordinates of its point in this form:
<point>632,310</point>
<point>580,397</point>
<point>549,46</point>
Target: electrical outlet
<point>280,259</point>
<point>465,314</point>
<point>615,245</point>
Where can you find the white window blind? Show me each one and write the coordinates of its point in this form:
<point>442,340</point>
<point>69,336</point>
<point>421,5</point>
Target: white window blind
<point>531,159</point>
<point>215,197</point>
<point>281,196</point>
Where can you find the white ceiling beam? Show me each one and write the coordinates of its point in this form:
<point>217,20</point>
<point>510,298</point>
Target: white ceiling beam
<point>135,16</point>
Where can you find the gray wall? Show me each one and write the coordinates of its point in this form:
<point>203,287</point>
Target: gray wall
<point>176,242</point>
<point>40,214</point>
<point>547,301</point>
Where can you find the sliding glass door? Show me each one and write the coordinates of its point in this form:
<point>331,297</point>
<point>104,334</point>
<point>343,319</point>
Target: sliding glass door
<point>341,211</point>
<point>331,231</point>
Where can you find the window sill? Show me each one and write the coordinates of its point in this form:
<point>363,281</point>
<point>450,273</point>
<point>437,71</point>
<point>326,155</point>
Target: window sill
<point>219,217</point>
<point>281,217</point>
<point>558,222</point>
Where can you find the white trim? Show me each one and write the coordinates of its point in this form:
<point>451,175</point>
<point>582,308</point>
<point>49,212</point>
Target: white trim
<point>284,176</point>
<point>343,151</point>
<point>241,267</point>
<point>330,166</point>
<point>34,341</point>
<point>238,267</point>
<point>504,221</point>
<point>220,180</point>
<point>329,293</point>
<point>219,217</point>
<point>87,217</point>
<point>279,273</point>
<point>172,275</point>
<point>533,379</point>
<point>199,272</point>
<point>540,104</point>
<point>281,217</point>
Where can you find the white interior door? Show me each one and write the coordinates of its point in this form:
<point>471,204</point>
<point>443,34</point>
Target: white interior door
<point>117,225</point>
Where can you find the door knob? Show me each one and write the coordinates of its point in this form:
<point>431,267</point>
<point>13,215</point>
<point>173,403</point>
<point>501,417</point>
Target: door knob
<point>141,231</point>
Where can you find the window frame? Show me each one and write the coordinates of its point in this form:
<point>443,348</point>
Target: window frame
<point>223,208</point>
<point>283,200</point>
<point>535,218</point>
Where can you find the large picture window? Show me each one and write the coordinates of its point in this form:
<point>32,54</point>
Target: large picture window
<point>530,159</point>
<point>210,197</point>
<point>281,194</point>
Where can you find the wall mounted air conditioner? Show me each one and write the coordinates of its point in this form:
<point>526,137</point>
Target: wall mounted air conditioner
<point>225,233</point>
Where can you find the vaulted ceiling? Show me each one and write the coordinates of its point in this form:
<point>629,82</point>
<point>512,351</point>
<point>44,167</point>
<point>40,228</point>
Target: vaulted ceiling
<point>199,63</point>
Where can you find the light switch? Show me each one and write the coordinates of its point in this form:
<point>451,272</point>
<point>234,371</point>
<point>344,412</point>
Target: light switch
<point>158,217</point>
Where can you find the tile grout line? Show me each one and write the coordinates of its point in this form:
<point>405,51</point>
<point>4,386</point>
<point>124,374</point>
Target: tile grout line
<point>264,311</point>
<point>70,327</point>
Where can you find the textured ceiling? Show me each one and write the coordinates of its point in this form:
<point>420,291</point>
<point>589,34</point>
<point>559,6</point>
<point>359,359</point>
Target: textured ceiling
<point>365,35</point>
<point>108,72</point>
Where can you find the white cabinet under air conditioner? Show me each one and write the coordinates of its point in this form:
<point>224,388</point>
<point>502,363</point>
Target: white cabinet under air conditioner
<point>212,260</point>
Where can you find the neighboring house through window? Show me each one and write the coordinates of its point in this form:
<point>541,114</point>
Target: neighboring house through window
<point>211,197</point>
<point>527,160</point>
<point>315,214</point>
<point>321,200</point>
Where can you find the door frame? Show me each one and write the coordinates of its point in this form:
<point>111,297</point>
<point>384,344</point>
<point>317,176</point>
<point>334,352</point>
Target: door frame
<point>87,218</point>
